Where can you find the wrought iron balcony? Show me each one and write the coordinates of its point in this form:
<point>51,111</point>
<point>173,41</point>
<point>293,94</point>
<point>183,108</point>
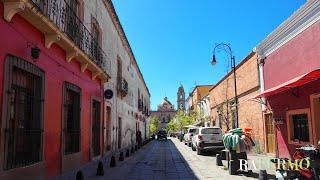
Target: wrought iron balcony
<point>61,25</point>
<point>123,87</point>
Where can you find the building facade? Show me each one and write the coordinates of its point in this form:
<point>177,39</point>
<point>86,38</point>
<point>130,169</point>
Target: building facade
<point>197,103</point>
<point>59,59</point>
<point>289,63</point>
<point>164,113</point>
<point>222,99</point>
<point>205,111</point>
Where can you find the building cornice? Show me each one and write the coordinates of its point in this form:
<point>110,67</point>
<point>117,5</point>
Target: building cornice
<point>304,17</point>
<point>116,22</point>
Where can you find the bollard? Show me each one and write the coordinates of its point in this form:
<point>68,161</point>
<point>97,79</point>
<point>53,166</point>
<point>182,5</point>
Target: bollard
<point>127,153</point>
<point>232,167</point>
<point>100,170</point>
<point>121,158</point>
<point>113,161</point>
<point>263,175</point>
<point>218,160</point>
<point>79,176</point>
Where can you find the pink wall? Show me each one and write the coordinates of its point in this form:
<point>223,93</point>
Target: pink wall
<point>15,37</point>
<point>296,57</point>
<point>285,101</point>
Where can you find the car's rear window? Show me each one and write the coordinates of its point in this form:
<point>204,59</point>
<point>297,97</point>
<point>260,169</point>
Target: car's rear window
<point>192,130</point>
<point>211,131</point>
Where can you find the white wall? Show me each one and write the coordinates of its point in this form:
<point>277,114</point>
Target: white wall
<point>113,47</point>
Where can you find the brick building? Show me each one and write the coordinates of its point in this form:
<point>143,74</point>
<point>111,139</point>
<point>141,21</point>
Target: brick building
<point>249,112</point>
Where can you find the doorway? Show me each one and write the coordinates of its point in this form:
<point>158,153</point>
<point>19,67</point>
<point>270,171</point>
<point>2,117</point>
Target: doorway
<point>119,132</point>
<point>107,130</point>
<point>270,134</point>
<point>315,110</point>
<point>96,128</point>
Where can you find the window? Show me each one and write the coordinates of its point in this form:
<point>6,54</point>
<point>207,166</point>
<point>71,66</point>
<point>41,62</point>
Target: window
<point>233,113</point>
<point>211,131</point>
<point>220,115</point>
<point>24,119</point>
<point>298,126</point>
<point>72,11</point>
<point>96,39</point>
<point>72,94</point>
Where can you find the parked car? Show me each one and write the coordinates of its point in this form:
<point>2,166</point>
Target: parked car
<point>207,139</point>
<point>188,136</point>
<point>162,134</point>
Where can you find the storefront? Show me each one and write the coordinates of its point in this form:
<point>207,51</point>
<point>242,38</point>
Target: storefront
<point>289,66</point>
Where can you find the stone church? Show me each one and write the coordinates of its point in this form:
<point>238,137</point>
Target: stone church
<point>166,111</point>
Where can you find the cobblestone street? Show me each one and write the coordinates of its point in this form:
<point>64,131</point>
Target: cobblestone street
<point>169,159</point>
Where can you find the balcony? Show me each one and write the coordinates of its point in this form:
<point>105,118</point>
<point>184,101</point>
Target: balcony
<point>123,87</point>
<point>60,25</point>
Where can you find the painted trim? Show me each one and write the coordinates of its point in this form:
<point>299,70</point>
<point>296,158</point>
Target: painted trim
<point>289,124</point>
<point>303,18</point>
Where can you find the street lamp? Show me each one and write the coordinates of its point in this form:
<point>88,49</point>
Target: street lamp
<point>228,50</point>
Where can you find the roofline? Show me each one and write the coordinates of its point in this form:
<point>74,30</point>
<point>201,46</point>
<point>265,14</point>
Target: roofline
<point>200,86</point>
<point>116,22</point>
<point>300,20</point>
<point>252,53</point>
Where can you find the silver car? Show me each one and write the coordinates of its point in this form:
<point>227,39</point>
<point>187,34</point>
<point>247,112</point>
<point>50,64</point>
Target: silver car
<point>188,136</point>
<point>207,138</point>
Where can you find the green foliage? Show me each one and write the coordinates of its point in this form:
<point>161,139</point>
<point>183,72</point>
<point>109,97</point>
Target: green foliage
<point>153,124</point>
<point>183,119</point>
<point>173,126</point>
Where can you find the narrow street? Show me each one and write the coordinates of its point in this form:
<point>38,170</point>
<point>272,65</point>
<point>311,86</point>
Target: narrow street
<point>169,159</point>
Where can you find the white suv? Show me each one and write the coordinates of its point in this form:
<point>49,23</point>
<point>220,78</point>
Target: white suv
<point>207,138</point>
<point>188,136</point>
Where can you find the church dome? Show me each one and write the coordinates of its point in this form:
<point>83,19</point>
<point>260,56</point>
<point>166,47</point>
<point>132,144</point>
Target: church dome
<point>165,105</point>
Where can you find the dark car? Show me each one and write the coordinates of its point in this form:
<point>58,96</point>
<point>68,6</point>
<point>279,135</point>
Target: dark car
<point>162,135</point>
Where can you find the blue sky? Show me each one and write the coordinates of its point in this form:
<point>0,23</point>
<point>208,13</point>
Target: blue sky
<point>173,40</point>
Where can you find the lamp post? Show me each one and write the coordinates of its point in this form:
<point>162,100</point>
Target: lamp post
<point>228,50</point>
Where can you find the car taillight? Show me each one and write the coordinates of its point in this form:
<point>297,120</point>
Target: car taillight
<point>200,137</point>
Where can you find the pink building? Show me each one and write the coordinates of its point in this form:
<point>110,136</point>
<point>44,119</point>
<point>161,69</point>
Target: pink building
<point>289,63</point>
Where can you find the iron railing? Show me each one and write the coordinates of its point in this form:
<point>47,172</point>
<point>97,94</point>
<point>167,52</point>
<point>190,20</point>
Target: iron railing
<point>68,22</point>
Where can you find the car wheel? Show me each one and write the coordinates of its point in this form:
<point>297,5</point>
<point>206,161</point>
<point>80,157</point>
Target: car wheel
<point>189,144</point>
<point>199,152</point>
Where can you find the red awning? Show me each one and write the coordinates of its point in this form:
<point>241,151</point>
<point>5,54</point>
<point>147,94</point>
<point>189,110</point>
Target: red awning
<point>293,83</point>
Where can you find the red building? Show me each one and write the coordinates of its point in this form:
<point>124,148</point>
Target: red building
<point>290,74</point>
<point>51,74</point>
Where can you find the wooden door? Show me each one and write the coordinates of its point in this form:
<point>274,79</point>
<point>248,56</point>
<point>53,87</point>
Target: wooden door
<point>270,134</point>
<point>96,128</point>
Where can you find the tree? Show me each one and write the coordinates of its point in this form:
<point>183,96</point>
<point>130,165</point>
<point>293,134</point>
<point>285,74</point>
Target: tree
<point>173,126</point>
<point>184,119</point>
<point>154,122</point>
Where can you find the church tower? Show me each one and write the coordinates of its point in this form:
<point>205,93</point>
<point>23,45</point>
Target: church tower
<point>181,100</point>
